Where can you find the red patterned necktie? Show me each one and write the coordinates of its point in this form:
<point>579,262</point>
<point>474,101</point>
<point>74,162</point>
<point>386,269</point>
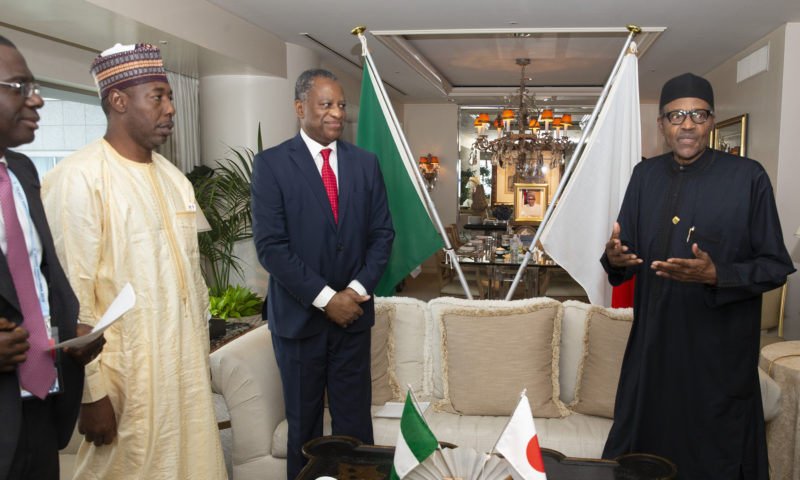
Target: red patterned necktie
<point>37,372</point>
<point>329,180</point>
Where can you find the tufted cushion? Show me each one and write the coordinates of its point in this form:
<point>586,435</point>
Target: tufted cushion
<point>491,351</point>
<point>384,380</point>
<point>607,332</point>
<point>573,330</point>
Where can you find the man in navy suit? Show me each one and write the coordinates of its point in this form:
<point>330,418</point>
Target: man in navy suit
<point>322,230</point>
<point>34,429</point>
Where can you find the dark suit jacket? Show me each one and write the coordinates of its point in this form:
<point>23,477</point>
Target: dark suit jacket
<point>63,314</point>
<point>300,244</point>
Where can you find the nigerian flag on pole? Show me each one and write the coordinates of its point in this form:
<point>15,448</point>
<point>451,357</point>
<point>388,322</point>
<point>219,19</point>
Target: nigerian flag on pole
<point>415,441</point>
<point>415,238</point>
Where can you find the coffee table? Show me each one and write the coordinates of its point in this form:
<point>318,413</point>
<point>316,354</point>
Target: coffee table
<point>346,458</point>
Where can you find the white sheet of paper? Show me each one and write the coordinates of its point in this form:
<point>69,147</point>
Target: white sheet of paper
<point>124,302</point>
<point>395,409</point>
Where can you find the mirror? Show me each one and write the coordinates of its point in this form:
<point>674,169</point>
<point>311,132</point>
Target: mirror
<point>731,135</point>
<point>498,180</point>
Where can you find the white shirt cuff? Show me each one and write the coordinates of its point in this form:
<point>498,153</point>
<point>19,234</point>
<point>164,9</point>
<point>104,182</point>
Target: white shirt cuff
<point>324,297</point>
<point>327,293</point>
<point>356,285</point>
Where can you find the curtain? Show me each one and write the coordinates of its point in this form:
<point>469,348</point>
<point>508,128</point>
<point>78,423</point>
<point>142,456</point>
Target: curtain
<point>183,147</point>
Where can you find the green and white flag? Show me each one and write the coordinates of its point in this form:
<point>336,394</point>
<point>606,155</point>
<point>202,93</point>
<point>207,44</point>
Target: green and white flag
<point>416,239</point>
<point>415,441</point>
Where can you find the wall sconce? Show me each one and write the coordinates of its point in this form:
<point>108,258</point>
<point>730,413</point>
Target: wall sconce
<point>429,168</point>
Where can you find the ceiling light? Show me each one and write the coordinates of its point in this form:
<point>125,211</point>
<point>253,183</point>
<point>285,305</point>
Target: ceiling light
<point>523,146</point>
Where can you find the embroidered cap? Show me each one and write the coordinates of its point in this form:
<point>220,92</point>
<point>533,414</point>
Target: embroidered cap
<point>123,66</point>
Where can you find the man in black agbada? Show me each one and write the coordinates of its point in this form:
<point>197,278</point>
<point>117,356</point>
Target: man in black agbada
<point>700,230</point>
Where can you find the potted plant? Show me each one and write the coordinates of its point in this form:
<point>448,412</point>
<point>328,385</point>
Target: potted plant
<point>223,194</point>
<point>234,302</point>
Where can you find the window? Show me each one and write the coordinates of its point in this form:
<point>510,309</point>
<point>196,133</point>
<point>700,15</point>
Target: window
<point>68,122</point>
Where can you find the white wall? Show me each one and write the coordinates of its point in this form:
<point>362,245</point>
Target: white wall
<point>434,129</point>
<point>759,96</point>
<point>788,195</point>
<point>652,141</point>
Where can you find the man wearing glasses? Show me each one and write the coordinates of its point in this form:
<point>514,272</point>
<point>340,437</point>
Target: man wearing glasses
<point>39,397</point>
<point>700,231</point>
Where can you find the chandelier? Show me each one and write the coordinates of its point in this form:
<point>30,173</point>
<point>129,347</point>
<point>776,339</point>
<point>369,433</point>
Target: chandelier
<point>523,145</point>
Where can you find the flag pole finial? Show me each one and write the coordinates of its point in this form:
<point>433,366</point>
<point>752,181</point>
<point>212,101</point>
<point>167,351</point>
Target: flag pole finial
<point>634,29</point>
<point>359,30</point>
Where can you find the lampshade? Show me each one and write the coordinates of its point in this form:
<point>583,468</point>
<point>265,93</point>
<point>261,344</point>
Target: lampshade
<point>557,122</point>
<point>508,114</point>
<point>434,160</point>
<point>547,115</point>
<point>566,119</point>
<point>423,160</point>
<point>498,123</point>
<point>484,118</point>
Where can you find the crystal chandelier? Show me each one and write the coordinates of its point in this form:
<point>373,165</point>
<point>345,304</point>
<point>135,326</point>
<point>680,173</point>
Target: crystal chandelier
<point>522,146</point>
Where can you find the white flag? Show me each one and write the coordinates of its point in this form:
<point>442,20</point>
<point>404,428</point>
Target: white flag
<point>581,224</point>
<point>520,444</point>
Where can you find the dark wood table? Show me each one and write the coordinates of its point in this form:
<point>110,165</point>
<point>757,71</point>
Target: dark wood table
<point>345,458</point>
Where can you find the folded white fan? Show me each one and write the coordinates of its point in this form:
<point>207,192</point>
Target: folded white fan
<point>460,463</point>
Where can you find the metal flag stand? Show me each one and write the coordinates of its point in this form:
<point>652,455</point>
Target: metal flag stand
<point>634,30</point>
<point>394,125</point>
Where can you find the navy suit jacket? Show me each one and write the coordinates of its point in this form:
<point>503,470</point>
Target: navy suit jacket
<point>63,314</point>
<point>300,244</point>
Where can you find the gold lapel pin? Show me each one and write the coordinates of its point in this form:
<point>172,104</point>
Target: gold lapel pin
<point>675,220</point>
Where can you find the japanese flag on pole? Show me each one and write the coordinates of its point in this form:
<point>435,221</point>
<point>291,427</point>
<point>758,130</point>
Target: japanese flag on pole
<point>520,444</point>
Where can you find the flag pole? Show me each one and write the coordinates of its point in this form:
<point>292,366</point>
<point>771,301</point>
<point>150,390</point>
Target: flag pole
<point>634,30</point>
<point>420,184</point>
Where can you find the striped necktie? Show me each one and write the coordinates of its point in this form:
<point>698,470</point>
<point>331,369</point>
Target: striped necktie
<point>329,180</point>
<point>37,372</point>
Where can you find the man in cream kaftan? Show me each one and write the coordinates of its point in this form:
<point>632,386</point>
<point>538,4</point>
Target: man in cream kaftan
<point>117,221</point>
<point>121,213</point>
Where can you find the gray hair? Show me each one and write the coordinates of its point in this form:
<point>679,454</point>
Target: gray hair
<point>305,82</point>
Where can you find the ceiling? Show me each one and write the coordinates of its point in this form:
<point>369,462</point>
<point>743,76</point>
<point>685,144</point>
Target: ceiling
<point>464,52</point>
<point>697,36</point>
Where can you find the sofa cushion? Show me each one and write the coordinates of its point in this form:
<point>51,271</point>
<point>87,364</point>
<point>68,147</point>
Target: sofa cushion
<point>384,380</point>
<point>408,331</point>
<point>580,436</point>
<point>573,330</point>
<point>492,350</point>
<point>607,332</point>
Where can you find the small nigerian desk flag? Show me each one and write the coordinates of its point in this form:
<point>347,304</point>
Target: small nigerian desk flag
<point>520,445</point>
<point>415,441</point>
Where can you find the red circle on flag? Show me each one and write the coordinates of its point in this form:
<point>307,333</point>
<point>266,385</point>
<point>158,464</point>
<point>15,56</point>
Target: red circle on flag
<point>534,454</point>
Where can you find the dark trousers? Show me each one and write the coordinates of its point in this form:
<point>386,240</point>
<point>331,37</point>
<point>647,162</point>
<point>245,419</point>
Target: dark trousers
<point>334,359</point>
<point>37,448</point>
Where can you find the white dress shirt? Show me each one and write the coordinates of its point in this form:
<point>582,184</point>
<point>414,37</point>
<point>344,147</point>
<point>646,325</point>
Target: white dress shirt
<point>32,240</point>
<point>325,295</point>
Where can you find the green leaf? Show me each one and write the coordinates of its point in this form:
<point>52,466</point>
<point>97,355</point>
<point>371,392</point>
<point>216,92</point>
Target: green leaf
<point>234,301</point>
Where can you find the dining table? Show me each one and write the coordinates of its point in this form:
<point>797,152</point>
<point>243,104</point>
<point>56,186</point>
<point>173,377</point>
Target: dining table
<point>501,268</point>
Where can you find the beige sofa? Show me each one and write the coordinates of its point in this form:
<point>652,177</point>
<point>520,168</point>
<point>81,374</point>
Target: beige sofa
<point>471,358</point>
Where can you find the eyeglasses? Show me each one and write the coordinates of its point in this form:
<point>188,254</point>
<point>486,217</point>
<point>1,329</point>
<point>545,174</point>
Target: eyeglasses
<point>698,116</point>
<point>27,89</point>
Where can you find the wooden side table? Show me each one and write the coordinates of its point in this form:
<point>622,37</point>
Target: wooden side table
<point>782,361</point>
<point>346,458</point>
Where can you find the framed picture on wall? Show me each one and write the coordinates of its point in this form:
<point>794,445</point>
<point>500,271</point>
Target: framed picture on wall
<point>503,184</point>
<point>731,135</point>
<point>530,201</point>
